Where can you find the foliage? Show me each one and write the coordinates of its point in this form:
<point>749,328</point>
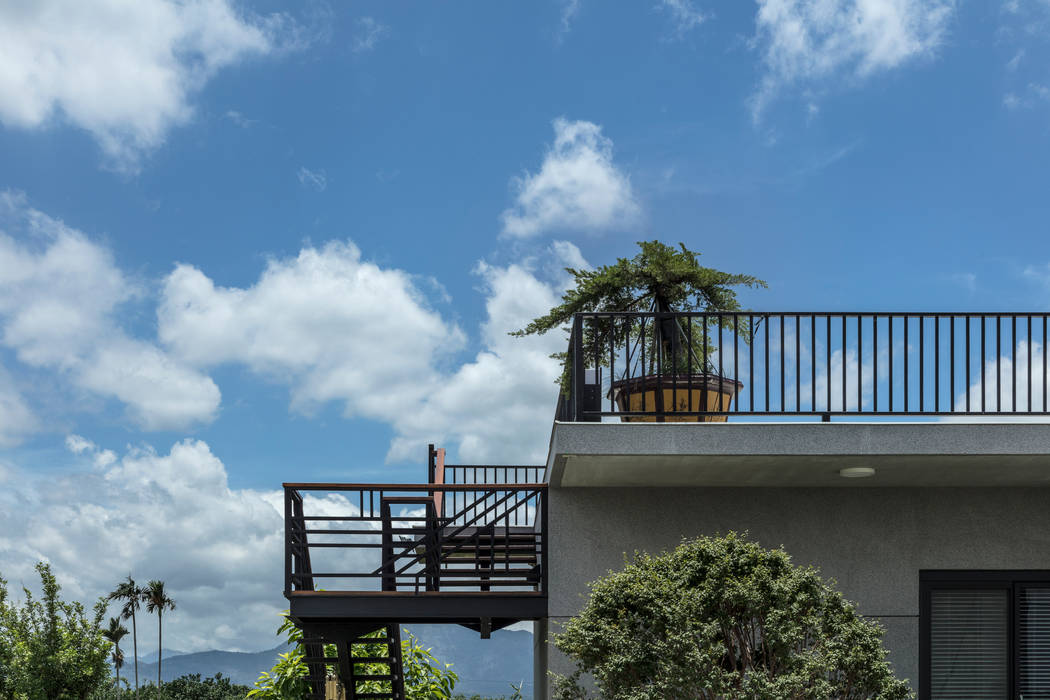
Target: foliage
<point>723,618</point>
<point>189,687</point>
<point>659,278</point>
<point>426,678</point>
<point>51,649</point>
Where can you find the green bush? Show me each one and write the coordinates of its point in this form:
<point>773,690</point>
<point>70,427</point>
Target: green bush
<point>723,618</point>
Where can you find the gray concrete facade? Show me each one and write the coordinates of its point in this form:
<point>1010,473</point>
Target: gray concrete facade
<point>872,541</point>
<point>945,495</point>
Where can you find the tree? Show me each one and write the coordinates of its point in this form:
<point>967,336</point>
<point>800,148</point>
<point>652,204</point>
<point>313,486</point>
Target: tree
<point>130,595</point>
<point>723,618</point>
<point>659,278</point>
<point>157,600</point>
<point>426,678</point>
<point>52,650</point>
<point>114,633</point>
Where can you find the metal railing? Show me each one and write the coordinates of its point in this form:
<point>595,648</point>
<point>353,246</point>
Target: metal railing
<point>417,538</point>
<point>820,364</point>
<point>440,473</point>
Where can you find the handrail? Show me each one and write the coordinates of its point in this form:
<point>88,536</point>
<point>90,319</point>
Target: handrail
<point>392,535</point>
<point>718,364</point>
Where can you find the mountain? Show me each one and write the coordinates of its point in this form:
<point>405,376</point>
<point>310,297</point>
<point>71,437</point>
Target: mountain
<point>152,656</point>
<point>485,666</point>
<point>238,666</point>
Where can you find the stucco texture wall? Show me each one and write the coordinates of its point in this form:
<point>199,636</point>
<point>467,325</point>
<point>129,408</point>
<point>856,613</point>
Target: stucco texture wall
<point>872,541</point>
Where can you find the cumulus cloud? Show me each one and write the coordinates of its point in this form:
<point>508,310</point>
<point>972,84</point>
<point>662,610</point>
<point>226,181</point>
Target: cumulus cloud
<point>16,418</point>
<point>60,296</point>
<point>578,188</point>
<point>499,406</point>
<point>168,516</point>
<point>331,325</point>
<point>334,327</point>
<point>997,393</point>
<point>367,35</point>
<point>122,70</point>
<point>805,43</point>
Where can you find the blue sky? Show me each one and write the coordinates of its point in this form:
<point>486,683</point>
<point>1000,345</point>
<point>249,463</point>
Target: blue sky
<point>247,243</point>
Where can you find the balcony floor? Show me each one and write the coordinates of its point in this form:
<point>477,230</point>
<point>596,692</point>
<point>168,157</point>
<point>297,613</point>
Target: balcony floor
<point>320,608</point>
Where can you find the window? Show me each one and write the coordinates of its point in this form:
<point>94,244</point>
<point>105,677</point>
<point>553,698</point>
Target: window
<point>984,635</point>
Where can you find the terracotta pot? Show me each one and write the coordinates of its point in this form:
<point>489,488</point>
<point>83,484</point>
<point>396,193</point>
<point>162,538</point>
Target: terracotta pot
<point>699,392</point>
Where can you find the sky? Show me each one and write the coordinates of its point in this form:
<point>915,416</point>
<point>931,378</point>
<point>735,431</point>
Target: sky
<point>246,243</point>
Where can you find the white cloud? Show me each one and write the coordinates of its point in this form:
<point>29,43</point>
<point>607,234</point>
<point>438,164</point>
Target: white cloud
<point>16,418</point>
<point>309,178</point>
<point>123,70</point>
<point>368,34</point>
<point>569,10</point>
<point>60,295</point>
<point>334,327</point>
<point>684,14</point>
<point>239,119</point>
<point>806,42</point>
<point>498,408</point>
<point>331,325</point>
<point>169,516</point>
<point>998,384</point>
<point>578,188</point>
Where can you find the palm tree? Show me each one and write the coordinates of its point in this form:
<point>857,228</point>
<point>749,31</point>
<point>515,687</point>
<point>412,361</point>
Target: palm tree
<point>114,634</point>
<point>157,601</point>
<point>131,595</point>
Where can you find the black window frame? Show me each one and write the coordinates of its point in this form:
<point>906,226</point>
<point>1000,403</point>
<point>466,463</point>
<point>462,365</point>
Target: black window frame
<point>995,579</point>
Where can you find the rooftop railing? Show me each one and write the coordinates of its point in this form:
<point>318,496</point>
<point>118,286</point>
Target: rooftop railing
<point>712,366</point>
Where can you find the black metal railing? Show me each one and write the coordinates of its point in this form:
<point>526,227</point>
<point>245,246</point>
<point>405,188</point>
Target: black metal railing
<point>652,366</point>
<point>440,473</point>
<point>417,538</point>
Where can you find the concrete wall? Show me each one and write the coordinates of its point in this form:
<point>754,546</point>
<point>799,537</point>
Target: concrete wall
<point>873,541</point>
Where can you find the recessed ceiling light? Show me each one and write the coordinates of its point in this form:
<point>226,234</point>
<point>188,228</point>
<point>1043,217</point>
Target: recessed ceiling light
<point>856,472</point>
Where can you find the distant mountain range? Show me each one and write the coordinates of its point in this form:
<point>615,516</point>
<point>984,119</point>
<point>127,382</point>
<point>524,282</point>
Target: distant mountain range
<point>485,666</point>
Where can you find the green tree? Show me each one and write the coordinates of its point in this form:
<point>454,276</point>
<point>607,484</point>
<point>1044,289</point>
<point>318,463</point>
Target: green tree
<point>188,687</point>
<point>53,649</point>
<point>157,600</point>
<point>130,594</point>
<point>114,633</point>
<point>659,278</point>
<point>723,618</point>
<point>426,678</point>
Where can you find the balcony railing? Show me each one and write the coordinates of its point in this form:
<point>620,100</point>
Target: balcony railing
<point>715,365</point>
<point>415,538</point>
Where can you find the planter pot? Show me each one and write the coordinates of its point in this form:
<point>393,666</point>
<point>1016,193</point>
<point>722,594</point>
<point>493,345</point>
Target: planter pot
<point>671,394</point>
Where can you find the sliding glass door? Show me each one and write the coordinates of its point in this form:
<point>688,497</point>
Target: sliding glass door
<point>985,635</point>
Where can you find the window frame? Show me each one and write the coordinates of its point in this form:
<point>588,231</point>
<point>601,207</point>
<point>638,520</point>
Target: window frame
<point>1010,581</point>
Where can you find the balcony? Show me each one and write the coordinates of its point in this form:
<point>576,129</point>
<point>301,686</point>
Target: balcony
<point>792,398</point>
<point>462,552</point>
<point>798,365</point>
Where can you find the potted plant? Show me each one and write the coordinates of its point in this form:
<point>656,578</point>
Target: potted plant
<point>659,279</point>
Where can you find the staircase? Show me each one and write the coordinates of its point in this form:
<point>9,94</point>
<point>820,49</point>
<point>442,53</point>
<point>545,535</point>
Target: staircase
<point>370,668</point>
<point>369,652</point>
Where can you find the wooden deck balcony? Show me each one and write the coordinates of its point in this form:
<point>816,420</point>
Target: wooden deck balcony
<point>471,554</point>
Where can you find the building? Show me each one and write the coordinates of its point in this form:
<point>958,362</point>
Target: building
<point>905,455</point>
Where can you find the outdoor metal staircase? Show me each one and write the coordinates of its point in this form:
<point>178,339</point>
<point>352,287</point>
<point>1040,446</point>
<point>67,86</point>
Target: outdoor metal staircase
<point>469,547</point>
<point>357,661</point>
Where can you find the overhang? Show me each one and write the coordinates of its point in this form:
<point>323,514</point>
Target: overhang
<point>799,454</point>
